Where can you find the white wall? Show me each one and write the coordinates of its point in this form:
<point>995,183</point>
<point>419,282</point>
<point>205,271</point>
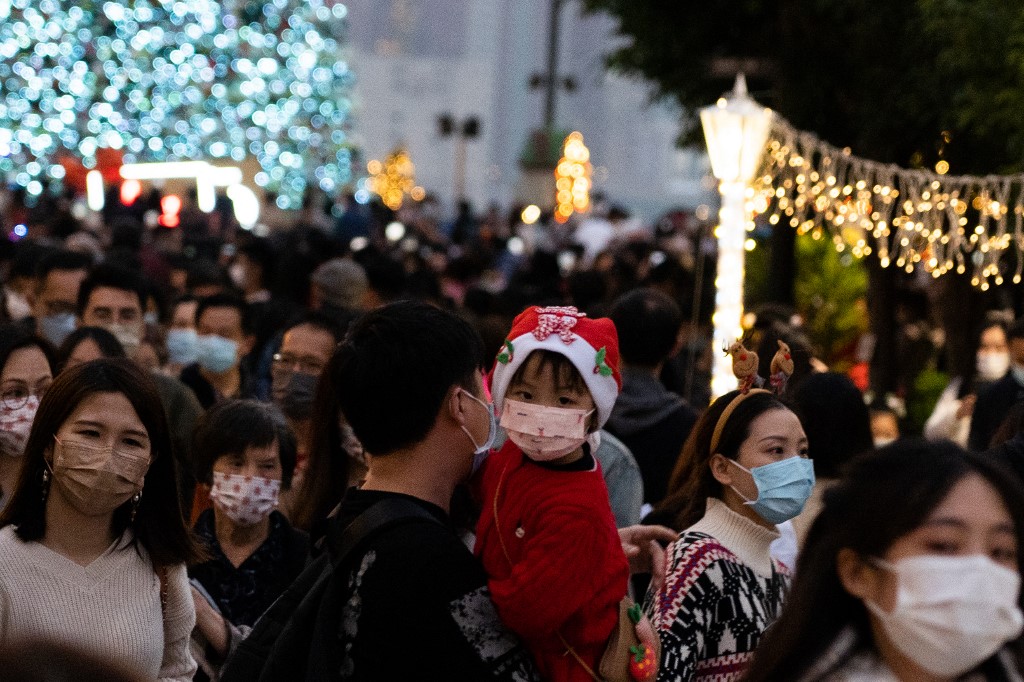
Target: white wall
<point>417,59</point>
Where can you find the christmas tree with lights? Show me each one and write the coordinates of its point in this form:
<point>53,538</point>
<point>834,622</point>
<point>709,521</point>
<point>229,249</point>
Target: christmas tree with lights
<point>177,80</point>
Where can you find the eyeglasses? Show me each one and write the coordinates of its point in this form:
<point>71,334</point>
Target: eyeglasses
<point>306,364</point>
<point>15,396</point>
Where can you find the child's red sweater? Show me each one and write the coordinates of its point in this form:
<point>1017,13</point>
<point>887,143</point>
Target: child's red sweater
<point>567,573</point>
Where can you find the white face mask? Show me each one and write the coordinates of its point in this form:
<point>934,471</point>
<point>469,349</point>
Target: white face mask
<point>246,500</point>
<point>993,365</point>
<point>951,613</point>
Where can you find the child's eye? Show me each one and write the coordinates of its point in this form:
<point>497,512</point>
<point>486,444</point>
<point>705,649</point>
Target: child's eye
<point>566,401</point>
<point>525,395</point>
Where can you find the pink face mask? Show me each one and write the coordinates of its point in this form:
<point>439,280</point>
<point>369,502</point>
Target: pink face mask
<point>246,500</point>
<point>544,433</point>
<point>16,424</point>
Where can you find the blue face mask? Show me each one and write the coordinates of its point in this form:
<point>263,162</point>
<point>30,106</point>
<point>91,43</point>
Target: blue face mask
<point>782,488</point>
<point>217,354</point>
<point>182,346</point>
<point>481,451</point>
<point>57,328</point>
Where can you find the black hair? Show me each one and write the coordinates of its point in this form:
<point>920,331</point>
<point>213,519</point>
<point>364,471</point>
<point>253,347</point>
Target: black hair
<point>565,373</point>
<point>112,277</point>
<point>325,322</point>
<point>14,337</point>
<point>61,260</point>
<point>835,419</point>
<point>231,426</point>
<point>108,344</point>
<point>226,301</point>
<point>327,468</point>
<point>205,273</point>
<point>402,359</point>
<point>261,253</point>
<point>158,524</point>
<point>692,482</point>
<point>648,322</point>
<point>882,497</point>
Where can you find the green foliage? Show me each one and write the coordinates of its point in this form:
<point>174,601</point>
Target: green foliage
<point>830,294</point>
<point>928,386</point>
<point>886,78</point>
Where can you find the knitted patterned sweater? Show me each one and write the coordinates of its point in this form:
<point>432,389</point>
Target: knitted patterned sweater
<point>566,572</point>
<point>110,608</point>
<point>721,591</point>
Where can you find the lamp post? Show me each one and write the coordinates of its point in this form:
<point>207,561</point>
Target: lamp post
<point>736,129</point>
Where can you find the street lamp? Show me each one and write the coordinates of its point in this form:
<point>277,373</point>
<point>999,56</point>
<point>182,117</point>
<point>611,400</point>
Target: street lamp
<point>736,129</point>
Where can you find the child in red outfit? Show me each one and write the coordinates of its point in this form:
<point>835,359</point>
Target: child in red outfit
<point>546,535</point>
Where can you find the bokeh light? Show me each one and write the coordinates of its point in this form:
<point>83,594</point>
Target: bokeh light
<point>168,80</point>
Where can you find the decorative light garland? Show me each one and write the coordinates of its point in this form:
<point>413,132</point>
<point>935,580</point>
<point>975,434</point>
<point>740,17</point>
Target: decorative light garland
<point>572,178</point>
<point>167,80</point>
<point>394,178</point>
<point>913,218</point>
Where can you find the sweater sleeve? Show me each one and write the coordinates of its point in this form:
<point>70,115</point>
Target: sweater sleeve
<point>549,583</point>
<point>178,665</point>
<point>682,612</point>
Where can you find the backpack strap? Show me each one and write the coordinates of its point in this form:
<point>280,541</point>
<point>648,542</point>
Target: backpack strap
<point>387,513</point>
<point>254,653</point>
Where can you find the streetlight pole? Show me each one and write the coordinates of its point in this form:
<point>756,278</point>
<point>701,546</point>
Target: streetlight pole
<point>736,129</point>
<point>551,84</point>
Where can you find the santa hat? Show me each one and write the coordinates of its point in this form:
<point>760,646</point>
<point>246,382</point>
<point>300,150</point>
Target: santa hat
<point>592,345</point>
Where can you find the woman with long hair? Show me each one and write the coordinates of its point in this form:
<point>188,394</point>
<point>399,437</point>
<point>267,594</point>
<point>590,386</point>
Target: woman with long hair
<point>910,572</point>
<point>743,470</point>
<point>93,545</point>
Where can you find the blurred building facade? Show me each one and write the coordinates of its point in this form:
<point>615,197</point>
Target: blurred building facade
<point>416,60</point>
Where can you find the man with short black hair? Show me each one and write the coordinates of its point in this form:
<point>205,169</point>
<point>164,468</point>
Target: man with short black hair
<point>55,301</point>
<point>412,602</point>
<point>223,326</point>
<point>652,422</point>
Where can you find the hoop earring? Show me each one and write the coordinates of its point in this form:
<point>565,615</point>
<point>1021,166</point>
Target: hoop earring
<point>135,506</point>
<point>45,484</point>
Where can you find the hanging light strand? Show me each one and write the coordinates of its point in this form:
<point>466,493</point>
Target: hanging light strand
<point>907,218</point>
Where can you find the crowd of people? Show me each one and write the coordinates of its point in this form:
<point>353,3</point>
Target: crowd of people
<point>385,447</point>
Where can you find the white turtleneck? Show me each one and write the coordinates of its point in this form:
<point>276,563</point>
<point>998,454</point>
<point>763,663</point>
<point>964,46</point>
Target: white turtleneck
<point>738,534</point>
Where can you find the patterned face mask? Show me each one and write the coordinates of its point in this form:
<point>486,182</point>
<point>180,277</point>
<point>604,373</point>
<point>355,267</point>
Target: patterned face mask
<point>17,423</point>
<point>246,500</point>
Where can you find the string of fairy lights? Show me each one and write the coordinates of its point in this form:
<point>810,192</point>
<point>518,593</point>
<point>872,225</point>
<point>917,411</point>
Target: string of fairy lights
<point>170,80</point>
<point>909,218</point>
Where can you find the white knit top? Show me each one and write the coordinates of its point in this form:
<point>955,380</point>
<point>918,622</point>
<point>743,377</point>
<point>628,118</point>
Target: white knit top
<point>110,608</point>
<point>738,534</point>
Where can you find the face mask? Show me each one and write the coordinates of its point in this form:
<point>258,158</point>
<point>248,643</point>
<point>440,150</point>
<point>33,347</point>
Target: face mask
<point>782,488</point>
<point>882,442</point>
<point>182,346</point>
<point>480,452</point>
<point>56,328</point>
<point>97,480</point>
<point>246,500</point>
<point>127,335</point>
<point>16,424</point>
<point>544,433</point>
<point>217,354</point>
<point>993,366</point>
<point>951,613</point>
<point>1018,374</point>
<point>295,397</point>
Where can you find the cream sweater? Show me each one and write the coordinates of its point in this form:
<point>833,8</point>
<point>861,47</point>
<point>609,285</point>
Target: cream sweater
<point>110,607</point>
<point>738,534</point>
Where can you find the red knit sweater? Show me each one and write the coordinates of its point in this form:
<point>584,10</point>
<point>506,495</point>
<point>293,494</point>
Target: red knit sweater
<point>567,571</point>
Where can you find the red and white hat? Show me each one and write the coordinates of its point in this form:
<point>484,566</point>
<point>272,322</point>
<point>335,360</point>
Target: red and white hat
<point>591,344</point>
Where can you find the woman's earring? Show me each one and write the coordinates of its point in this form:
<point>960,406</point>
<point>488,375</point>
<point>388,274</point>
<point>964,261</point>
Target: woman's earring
<point>135,506</point>
<point>46,484</point>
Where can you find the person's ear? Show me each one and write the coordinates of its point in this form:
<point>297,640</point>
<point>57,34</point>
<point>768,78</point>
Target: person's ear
<point>722,470</point>
<point>857,577</point>
<point>456,407</point>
